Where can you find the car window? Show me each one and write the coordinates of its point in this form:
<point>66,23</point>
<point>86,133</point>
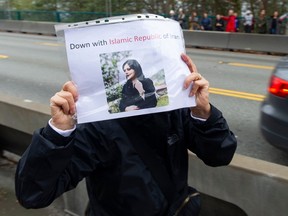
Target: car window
<point>282,72</point>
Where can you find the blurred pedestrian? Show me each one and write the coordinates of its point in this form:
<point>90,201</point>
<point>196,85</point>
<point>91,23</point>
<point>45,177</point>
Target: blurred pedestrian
<point>219,23</point>
<point>237,22</point>
<point>274,23</point>
<point>206,23</point>
<point>248,21</point>
<point>261,22</point>
<point>172,15</point>
<point>230,19</point>
<point>182,18</point>
<point>194,21</point>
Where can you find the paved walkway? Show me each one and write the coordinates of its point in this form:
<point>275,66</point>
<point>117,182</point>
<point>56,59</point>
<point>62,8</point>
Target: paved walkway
<point>8,202</point>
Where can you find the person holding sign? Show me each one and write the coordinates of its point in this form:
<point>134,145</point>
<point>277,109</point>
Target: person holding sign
<point>119,157</point>
<point>138,92</point>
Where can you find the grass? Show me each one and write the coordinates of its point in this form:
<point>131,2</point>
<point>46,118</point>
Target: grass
<point>163,101</point>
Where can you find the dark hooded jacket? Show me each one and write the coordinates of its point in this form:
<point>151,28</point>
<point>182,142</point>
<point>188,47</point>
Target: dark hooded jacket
<point>118,181</point>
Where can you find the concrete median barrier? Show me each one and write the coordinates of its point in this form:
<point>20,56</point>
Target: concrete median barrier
<point>32,27</point>
<point>255,186</point>
<point>237,41</point>
<point>247,186</point>
<point>22,115</point>
<point>44,28</point>
<point>10,26</point>
<point>258,42</point>
<point>18,120</point>
<point>206,39</point>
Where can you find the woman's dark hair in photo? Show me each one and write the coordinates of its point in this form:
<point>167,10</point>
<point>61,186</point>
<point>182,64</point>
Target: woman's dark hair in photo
<point>133,64</point>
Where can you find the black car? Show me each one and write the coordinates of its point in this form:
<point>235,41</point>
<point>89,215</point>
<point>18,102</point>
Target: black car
<point>274,109</point>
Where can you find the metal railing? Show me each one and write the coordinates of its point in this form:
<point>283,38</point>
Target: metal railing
<point>52,16</point>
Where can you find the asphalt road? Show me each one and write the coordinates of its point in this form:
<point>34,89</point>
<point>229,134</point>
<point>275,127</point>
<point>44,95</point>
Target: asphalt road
<point>33,68</point>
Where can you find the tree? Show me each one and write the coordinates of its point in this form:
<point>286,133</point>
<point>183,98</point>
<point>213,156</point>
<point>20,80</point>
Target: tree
<point>212,7</point>
<point>46,5</point>
<point>21,4</point>
<point>269,5</point>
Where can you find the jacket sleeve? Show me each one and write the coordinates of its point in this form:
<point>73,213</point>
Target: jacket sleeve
<point>212,141</point>
<point>225,18</point>
<point>51,165</point>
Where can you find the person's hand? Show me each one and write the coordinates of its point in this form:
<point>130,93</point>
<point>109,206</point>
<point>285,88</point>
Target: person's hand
<point>131,108</point>
<point>200,87</point>
<point>63,107</point>
<point>130,76</point>
<point>139,86</point>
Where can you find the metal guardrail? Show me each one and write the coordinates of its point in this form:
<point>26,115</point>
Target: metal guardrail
<point>53,16</point>
<point>247,186</point>
<point>206,39</point>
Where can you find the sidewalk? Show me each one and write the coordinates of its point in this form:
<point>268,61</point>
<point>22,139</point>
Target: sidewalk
<point>8,202</point>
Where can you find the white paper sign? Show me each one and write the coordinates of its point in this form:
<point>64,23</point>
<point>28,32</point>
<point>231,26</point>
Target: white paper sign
<point>127,68</point>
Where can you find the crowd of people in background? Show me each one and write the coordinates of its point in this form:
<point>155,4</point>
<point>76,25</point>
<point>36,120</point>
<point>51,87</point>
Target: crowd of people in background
<point>261,24</point>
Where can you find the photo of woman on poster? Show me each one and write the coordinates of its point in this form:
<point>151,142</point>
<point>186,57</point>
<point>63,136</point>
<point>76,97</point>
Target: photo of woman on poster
<point>138,92</point>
